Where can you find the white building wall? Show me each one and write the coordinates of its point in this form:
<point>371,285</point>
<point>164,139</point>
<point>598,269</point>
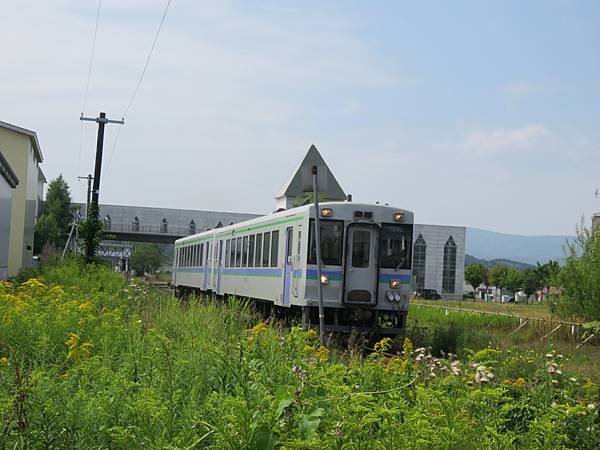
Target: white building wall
<point>5,210</point>
<point>435,237</point>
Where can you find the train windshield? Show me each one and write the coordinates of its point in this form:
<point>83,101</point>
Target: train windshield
<point>332,232</point>
<point>396,245</point>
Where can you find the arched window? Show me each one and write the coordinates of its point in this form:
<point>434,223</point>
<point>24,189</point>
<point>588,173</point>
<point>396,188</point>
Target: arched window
<point>164,226</point>
<point>107,222</point>
<point>192,227</point>
<point>135,226</point>
<point>449,268</point>
<point>419,254</point>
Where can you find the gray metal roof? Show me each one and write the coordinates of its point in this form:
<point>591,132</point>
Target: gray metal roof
<point>7,172</point>
<point>328,185</point>
<point>176,218</point>
<point>31,134</point>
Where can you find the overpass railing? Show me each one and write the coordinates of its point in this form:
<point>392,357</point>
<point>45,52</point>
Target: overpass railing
<point>146,229</point>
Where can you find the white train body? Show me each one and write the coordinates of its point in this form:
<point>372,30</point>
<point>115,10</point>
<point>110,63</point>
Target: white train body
<point>366,253</point>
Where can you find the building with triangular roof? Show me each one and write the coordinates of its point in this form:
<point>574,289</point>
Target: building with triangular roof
<point>299,186</point>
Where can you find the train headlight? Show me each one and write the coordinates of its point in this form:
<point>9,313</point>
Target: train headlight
<point>397,297</point>
<point>390,296</point>
<point>395,284</point>
<point>324,279</point>
<point>398,217</point>
<point>326,212</point>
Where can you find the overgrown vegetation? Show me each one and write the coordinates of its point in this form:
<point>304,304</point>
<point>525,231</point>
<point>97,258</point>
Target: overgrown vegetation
<point>52,227</point>
<point>87,361</point>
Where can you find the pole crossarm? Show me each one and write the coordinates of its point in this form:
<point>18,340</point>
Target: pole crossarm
<point>102,120</point>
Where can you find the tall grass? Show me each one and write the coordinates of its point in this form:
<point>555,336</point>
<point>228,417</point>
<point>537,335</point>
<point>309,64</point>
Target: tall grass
<point>88,361</point>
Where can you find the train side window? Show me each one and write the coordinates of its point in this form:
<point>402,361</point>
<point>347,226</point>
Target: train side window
<point>274,248</point>
<point>198,255</point>
<point>185,256</point>
<point>251,252</point>
<point>238,252</point>
<point>258,254</point>
<point>207,256</point>
<point>227,251</point>
<point>332,232</point>
<point>192,256</point>
<point>266,249</point>
<point>201,254</point>
<point>245,251</point>
<point>232,254</point>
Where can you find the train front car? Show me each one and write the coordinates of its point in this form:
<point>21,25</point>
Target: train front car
<point>366,252</point>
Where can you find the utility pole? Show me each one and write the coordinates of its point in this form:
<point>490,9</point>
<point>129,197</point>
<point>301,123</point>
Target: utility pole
<point>318,247</point>
<point>95,229</point>
<point>101,121</point>
<point>89,192</point>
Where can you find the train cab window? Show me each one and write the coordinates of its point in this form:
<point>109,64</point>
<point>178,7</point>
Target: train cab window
<point>396,246</point>
<point>245,251</point>
<point>332,232</point>
<point>257,256</point>
<point>238,252</point>
<point>361,248</point>
<point>227,252</point>
<point>266,249</point>
<point>251,251</point>
<point>274,248</point>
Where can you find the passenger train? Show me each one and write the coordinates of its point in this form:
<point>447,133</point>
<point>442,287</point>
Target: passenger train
<point>366,255</point>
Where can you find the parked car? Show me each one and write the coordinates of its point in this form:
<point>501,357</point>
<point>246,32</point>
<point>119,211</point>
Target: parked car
<point>469,295</point>
<point>427,294</point>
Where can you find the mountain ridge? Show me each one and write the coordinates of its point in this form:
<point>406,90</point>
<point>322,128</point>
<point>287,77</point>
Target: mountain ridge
<point>492,245</point>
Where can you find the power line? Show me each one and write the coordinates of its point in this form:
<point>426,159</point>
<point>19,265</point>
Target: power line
<point>139,83</point>
<point>147,59</point>
<point>87,85</point>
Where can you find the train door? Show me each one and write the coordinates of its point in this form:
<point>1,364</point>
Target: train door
<point>288,271</point>
<point>219,265</point>
<point>362,269</point>
<point>207,269</point>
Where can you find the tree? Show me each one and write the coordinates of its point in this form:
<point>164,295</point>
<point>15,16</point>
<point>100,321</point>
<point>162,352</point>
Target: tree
<point>146,258</point>
<point>53,225</point>
<point>580,276</point>
<point>498,275</point>
<point>476,274</point>
<point>531,281</point>
<point>308,199</point>
<point>513,280</point>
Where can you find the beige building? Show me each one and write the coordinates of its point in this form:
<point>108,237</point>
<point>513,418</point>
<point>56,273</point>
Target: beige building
<point>595,221</point>
<point>21,149</point>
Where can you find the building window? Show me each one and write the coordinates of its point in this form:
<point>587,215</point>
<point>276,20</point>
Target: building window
<point>164,226</point>
<point>449,268</point>
<point>419,256</point>
<point>192,227</point>
<point>107,222</point>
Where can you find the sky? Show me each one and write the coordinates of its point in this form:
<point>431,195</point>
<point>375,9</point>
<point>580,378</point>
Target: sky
<point>472,113</point>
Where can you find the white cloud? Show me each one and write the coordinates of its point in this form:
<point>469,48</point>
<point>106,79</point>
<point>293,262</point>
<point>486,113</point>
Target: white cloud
<point>529,138</point>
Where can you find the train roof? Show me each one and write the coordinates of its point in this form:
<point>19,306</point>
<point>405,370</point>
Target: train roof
<point>283,214</point>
